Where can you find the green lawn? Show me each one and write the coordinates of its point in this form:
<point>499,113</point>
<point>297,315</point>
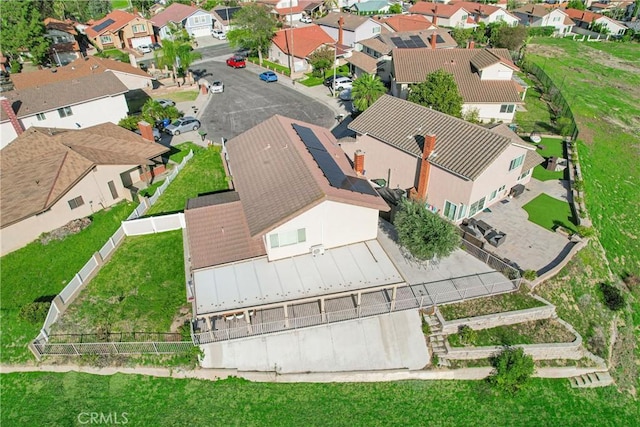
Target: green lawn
<point>204,173</point>
<point>150,190</point>
<point>311,81</point>
<point>115,54</point>
<point>550,213</point>
<point>120,4</point>
<point>185,95</point>
<point>600,82</point>
<point>553,147</point>
<point>41,272</point>
<point>534,332</point>
<point>496,304</point>
<point>134,291</point>
<point>537,117</point>
<point>59,399</point>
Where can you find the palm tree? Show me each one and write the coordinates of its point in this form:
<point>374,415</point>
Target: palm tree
<point>178,55</point>
<point>366,90</point>
<point>330,5</point>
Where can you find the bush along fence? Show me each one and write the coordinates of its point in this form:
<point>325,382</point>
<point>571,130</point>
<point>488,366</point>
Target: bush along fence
<point>280,69</point>
<point>42,345</point>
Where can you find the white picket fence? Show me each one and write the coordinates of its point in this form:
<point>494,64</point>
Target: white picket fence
<point>132,226</point>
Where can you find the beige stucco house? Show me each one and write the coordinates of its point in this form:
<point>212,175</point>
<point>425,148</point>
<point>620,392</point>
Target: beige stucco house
<point>457,167</point>
<point>121,30</point>
<point>52,176</point>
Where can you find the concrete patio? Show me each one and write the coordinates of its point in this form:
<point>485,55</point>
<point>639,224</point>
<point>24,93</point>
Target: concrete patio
<point>528,245</point>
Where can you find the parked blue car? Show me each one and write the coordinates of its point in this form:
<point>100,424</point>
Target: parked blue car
<point>269,76</point>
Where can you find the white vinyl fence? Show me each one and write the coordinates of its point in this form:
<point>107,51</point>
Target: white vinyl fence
<point>131,226</point>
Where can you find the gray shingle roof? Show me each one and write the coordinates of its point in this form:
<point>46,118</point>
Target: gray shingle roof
<point>461,147</point>
<point>413,66</point>
<point>351,21</point>
<point>278,179</point>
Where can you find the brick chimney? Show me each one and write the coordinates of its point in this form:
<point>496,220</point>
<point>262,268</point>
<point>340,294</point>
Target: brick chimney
<point>425,166</point>
<point>340,25</point>
<point>435,16</point>
<point>146,131</point>
<point>8,109</point>
<point>434,39</point>
<point>472,44</point>
<point>358,162</point>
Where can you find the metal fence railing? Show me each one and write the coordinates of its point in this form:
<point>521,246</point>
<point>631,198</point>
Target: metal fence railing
<point>491,260</point>
<point>44,347</point>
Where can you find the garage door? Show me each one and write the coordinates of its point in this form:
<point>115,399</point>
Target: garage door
<point>140,41</point>
<point>201,32</point>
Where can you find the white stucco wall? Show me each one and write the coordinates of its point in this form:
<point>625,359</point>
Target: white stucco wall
<point>132,81</point>
<point>95,192</point>
<point>7,134</point>
<point>486,112</point>
<point>199,24</point>
<point>444,185</point>
<point>330,224</point>
<point>496,72</point>
<point>500,16</point>
<point>109,109</point>
<point>365,31</point>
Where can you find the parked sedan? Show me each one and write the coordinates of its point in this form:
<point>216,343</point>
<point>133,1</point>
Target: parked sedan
<point>219,34</point>
<point>342,83</point>
<point>216,87</point>
<point>306,19</point>
<point>144,49</point>
<point>269,76</point>
<point>236,62</point>
<point>183,124</point>
<point>165,102</point>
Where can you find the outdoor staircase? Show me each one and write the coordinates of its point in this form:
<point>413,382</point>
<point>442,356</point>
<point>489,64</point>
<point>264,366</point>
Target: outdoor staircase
<point>436,339</point>
<point>595,379</point>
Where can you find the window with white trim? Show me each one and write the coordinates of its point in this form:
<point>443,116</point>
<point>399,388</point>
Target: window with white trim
<point>197,20</point>
<point>287,238</point>
<point>525,174</point>
<point>376,30</point>
<point>65,112</point>
<point>516,162</point>
<point>105,39</point>
<point>41,117</point>
<point>462,211</point>
<point>476,207</point>
<point>493,194</point>
<point>139,28</point>
<point>76,202</point>
<point>450,210</point>
<point>507,108</point>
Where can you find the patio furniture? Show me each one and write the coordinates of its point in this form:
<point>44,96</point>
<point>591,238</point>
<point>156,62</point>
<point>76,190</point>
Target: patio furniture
<point>484,228</point>
<point>496,238</point>
<point>551,163</point>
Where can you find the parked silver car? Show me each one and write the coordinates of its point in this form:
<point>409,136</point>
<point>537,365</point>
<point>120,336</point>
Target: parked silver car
<point>183,124</point>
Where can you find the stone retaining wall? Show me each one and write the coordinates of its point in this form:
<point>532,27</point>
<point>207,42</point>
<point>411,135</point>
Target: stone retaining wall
<point>497,319</point>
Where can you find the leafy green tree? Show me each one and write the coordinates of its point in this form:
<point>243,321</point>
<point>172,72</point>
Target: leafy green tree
<point>176,54</point>
<point>511,38</point>
<point>439,91</point>
<point>254,29</point>
<point>425,234</point>
<point>321,60</point>
<point>23,29</point>
<point>98,9</point>
<point>331,4</point>
<point>512,370</point>
<point>576,4</point>
<point>395,8</point>
<point>366,90</point>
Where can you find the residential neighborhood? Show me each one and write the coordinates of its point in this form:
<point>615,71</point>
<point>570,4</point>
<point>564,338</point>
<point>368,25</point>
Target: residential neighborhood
<point>307,210</point>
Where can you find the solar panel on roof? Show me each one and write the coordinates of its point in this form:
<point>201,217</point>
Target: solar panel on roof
<point>439,39</point>
<point>418,41</point>
<point>101,26</point>
<point>329,168</point>
<point>398,42</point>
<point>308,137</point>
<point>358,185</point>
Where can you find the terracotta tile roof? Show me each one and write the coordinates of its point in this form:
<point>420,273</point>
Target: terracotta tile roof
<point>400,23</point>
<point>81,67</point>
<point>351,22</point>
<point>587,16</point>
<point>218,232</point>
<point>277,178</point>
<point>413,65</point>
<point>64,26</point>
<point>478,9</point>
<point>366,63</point>
<point>461,147</point>
<point>175,12</point>
<point>224,14</point>
<point>435,9</point>
<point>38,99</point>
<point>305,40</point>
<point>385,43</point>
<point>376,44</point>
<point>568,21</point>
<point>485,58</point>
<point>39,167</point>
<point>533,10</point>
<point>283,11</point>
<point>110,23</point>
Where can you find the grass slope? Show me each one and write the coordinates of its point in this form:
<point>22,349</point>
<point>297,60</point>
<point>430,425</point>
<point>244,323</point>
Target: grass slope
<point>38,271</point>
<point>130,293</point>
<point>58,399</point>
<point>601,82</point>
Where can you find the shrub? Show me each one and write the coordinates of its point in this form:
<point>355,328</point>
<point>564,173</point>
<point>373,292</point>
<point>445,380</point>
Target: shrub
<point>530,274</point>
<point>435,360</point>
<point>578,185</point>
<point>35,312</point>
<point>467,335</point>
<point>541,31</point>
<point>586,231</point>
<point>612,297</point>
<point>426,329</point>
<point>512,370</point>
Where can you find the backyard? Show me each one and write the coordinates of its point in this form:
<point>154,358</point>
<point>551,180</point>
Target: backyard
<point>511,301</point>
<point>534,332</point>
<point>552,147</point>
<point>550,213</point>
<point>38,272</point>
<point>59,399</point>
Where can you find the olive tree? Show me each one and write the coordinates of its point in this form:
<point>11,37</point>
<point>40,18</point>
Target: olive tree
<point>512,369</point>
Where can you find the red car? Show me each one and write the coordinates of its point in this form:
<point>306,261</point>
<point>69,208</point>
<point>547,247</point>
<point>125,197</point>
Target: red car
<point>236,62</point>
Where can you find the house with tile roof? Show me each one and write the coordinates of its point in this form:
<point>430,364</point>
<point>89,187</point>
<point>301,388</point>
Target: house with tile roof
<point>64,47</point>
<point>457,167</point>
<point>374,54</point>
<point>121,30</point>
<point>349,29</point>
<point>401,23</point>
<point>487,13</point>
<point>130,76</point>
<point>222,17</point>
<point>586,19</point>
<point>297,44</point>
<point>68,104</point>
<point>535,15</point>
<point>299,225</point>
<point>53,176</point>
<point>196,21</point>
<point>445,15</point>
<point>484,78</point>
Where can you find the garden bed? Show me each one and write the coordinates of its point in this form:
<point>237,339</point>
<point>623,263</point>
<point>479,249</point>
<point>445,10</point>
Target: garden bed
<point>512,301</point>
<point>543,331</point>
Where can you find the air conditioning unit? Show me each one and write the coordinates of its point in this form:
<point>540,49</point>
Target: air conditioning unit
<point>317,250</point>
